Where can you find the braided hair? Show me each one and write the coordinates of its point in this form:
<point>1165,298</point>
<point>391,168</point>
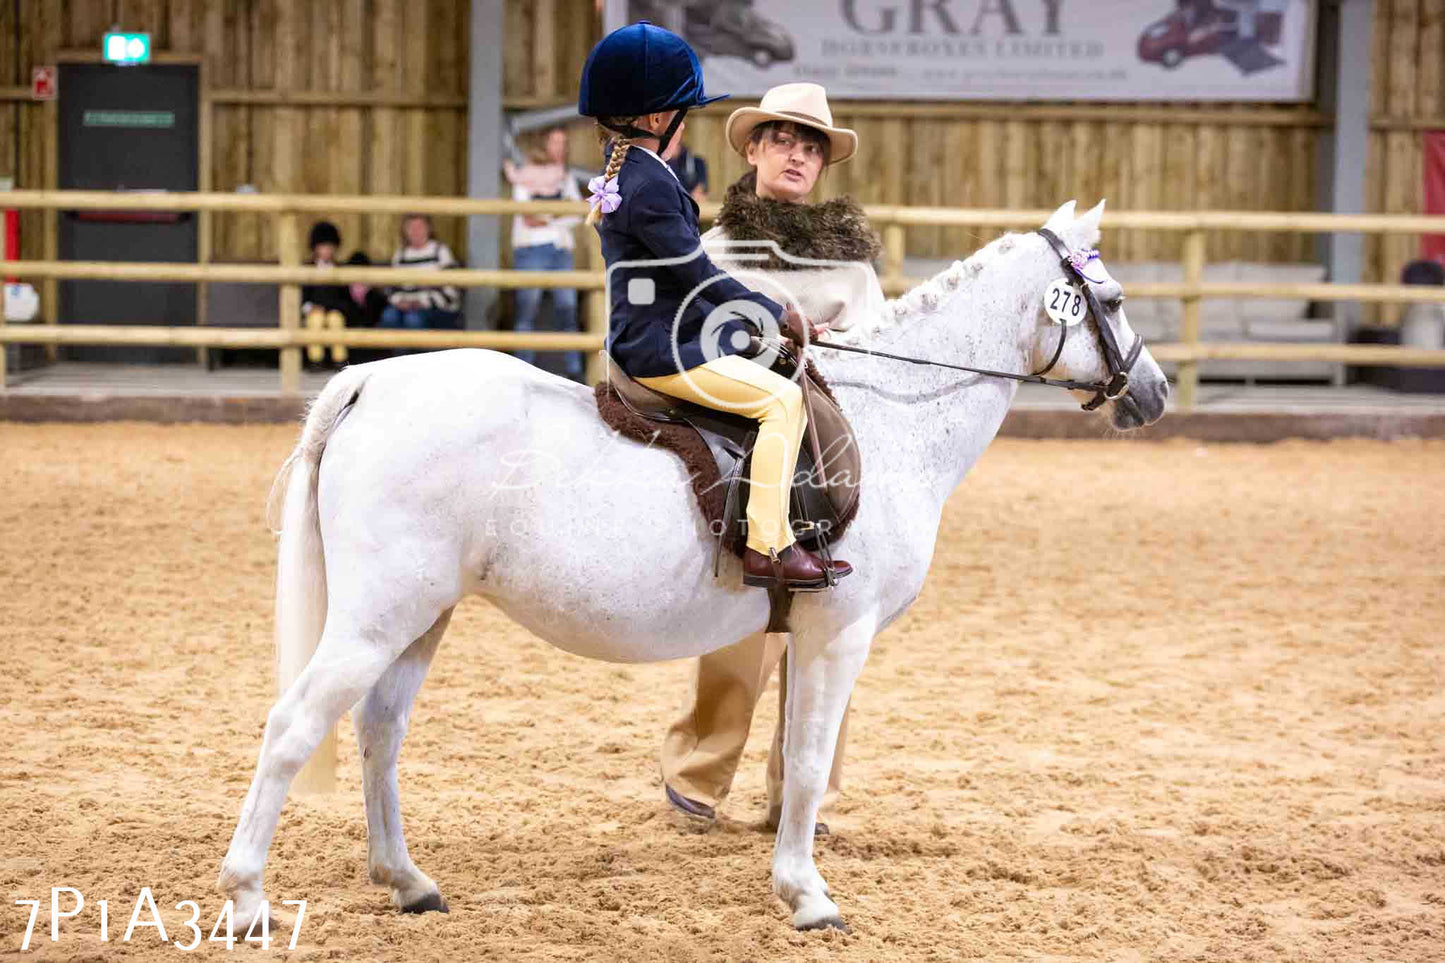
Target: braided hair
<point>619,146</point>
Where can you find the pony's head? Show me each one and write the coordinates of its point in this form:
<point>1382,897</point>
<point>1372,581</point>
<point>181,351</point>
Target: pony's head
<point>1084,356</point>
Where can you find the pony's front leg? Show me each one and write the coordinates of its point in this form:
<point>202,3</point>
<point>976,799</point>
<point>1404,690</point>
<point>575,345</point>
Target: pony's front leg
<point>821,673</point>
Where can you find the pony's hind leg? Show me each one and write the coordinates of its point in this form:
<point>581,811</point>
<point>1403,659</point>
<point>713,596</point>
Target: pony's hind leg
<point>347,663</point>
<point>381,722</point>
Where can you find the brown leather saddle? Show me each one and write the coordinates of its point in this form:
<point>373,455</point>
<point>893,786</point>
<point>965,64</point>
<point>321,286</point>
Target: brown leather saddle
<point>823,502</point>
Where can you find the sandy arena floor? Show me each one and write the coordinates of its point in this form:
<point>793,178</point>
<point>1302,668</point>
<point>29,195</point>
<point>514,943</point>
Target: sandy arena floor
<point>1158,702</point>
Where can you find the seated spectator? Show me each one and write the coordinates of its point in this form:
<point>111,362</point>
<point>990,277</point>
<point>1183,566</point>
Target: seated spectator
<point>324,306</point>
<point>1423,323</point>
<point>414,306</point>
<point>366,302</point>
<point>542,242</point>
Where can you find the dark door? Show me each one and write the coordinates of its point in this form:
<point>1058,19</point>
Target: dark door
<point>128,129</point>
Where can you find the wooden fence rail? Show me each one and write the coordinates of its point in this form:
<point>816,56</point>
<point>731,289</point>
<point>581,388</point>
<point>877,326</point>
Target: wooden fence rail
<point>1373,354</point>
<point>289,275</point>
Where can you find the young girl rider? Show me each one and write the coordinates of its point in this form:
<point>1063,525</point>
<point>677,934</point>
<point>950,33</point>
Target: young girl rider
<point>639,82</point>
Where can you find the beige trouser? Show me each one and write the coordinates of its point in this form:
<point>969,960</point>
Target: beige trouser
<point>320,319</point>
<point>701,751</point>
<point>734,384</point>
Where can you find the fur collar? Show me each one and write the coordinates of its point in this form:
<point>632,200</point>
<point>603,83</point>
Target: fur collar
<point>834,230</point>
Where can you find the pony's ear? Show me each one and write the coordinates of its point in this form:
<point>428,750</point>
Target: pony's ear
<point>1087,226</point>
<point>1062,218</point>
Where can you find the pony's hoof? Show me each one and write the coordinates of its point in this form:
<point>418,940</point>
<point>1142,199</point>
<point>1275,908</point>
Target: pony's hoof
<point>818,912</point>
<point>246,921</point>
<point>430,903</point>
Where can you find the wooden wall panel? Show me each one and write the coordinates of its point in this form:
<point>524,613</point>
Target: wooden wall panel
<point>1402,191</point>
<point>1407,99</point>
<point>10,111</point>
<point>992,161</point>
<point>263,48</point>
<point>1181,156</point>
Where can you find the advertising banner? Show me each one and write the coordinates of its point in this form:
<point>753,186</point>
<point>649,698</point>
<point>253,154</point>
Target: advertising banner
<point>1246,50</point>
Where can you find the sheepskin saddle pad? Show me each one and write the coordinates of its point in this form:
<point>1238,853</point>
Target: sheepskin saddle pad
<point>715,448</point>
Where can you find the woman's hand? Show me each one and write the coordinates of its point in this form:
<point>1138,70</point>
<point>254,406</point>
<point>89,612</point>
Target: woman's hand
<point>792,325</point>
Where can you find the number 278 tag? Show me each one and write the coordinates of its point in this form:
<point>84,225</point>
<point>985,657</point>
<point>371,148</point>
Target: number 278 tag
<point>1064,303</point>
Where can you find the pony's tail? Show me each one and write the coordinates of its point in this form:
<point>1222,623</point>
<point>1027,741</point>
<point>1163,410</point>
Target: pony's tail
<point>301,561</point>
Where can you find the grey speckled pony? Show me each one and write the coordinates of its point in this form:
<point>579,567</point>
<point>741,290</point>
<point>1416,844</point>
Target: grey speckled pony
<point>422,479</point>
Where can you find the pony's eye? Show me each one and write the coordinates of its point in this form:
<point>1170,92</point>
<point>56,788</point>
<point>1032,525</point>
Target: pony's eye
<point>1115,304</point>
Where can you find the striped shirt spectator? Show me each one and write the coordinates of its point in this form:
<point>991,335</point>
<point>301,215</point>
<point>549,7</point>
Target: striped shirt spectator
<point>417,306</point>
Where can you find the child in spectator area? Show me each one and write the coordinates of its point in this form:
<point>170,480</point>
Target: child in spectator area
<point>414,306</point>
<point>543,242</point>
<point>337,306</point>
<point>324,306</point>
<point>366,303</point>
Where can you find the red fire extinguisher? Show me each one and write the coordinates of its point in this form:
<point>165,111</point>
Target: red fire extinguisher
<point>12,238</point>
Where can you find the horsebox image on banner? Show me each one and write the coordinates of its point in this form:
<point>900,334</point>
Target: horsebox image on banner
<point>1250,50</point>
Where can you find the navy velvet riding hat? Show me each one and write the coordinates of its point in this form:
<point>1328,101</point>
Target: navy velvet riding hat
<point>640,69</point>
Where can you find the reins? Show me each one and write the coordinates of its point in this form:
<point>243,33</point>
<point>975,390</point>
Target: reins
<point>1119,364</point>
<point>1035,379</point>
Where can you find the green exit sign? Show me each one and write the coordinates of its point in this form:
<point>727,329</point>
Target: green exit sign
<point>127,48</point>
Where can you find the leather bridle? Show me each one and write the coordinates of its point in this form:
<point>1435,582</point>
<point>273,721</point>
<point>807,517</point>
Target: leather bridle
<point>1119,363</point>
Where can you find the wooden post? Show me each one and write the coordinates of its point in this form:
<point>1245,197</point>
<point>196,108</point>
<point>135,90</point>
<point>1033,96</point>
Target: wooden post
<point>204,219</point>
<point>596,368</point>
<point>893,252</point>
<point>50,287</point>
<point>1188,378</point>
<point>288,246</point>
<point>596,309</point>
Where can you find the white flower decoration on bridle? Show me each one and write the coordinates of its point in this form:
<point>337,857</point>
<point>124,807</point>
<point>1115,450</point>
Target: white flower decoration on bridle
<point>1080,260</point>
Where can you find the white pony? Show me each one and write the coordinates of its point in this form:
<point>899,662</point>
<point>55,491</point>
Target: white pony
<point>422,479</point>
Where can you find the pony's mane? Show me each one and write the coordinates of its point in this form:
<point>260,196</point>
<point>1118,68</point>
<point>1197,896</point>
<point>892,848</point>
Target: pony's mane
<point>926,298</point>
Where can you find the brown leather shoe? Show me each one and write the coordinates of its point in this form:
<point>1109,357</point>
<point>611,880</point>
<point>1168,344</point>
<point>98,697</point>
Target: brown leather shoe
<point>795,567</point>
<point>689,807</point>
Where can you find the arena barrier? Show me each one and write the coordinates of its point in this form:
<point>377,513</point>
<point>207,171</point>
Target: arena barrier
<point>290,338</point>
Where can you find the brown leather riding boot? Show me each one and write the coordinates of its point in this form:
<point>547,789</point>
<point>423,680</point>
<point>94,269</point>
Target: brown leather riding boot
<point>796,567</point>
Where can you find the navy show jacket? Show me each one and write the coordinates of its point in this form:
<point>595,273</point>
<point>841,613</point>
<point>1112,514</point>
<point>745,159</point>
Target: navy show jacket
<point>657,220</point>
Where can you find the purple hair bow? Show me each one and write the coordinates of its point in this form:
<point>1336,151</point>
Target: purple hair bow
<point>604,194</point>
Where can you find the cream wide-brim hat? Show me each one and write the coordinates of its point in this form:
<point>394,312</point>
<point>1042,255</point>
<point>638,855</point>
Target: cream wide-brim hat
<point>805,104</point>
